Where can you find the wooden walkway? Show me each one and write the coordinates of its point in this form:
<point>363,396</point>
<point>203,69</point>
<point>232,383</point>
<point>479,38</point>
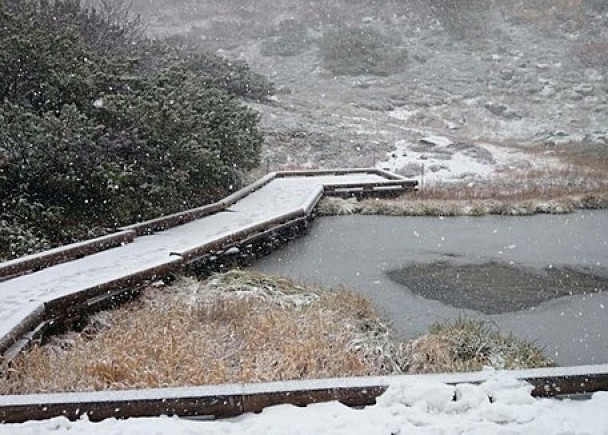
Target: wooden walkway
<point>143,252</point>
<point>39,288</point>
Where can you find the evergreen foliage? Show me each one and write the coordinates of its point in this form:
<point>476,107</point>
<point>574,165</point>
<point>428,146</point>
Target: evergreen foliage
<point>102,128</point>
<point>353,51</point>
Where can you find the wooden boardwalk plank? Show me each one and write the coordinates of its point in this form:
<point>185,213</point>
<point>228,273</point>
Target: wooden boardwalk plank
<point>234,399</point>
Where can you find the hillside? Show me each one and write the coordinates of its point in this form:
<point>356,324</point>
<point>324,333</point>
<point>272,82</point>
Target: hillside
<point>360,83</point>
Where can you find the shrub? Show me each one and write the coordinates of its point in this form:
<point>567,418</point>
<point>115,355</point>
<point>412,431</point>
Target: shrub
<point>462,19</point>
<point>232,76</point>
<point>293,39</point>
<point>358,51</point>
<point>92,140</point>
<point>593,53</point>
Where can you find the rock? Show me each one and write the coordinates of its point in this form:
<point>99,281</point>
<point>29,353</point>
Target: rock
<point>376,107</point>
<point>437,168</point>
<point>507,74</point>
<point>584,89</point>
<point>440,141</point>
<point>419,58</point>
<point>450,125</point>
<point>596,138</point>
<point>594,75</point>
<point>283,90</point>
<point>502,110</point>
<point>548,91</point>
<point>411,170</point>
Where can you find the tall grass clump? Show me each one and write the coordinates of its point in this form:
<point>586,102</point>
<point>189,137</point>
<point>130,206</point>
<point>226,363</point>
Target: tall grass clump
<point>469,345</point>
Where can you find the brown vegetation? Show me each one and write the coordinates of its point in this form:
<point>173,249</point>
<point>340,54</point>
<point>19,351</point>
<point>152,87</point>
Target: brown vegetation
<point>235,327</point>
<point>241,327</point>
<point>581,182</point>
<point>468,345</point>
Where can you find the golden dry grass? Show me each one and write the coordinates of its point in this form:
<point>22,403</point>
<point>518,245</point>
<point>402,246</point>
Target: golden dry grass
<point>242,327</point>
<point>237,327</point>
<point>468,345</point>
<point>582,183</point>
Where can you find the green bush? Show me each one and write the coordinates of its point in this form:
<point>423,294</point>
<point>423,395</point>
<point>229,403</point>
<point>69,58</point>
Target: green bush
<point>293,39</point>
<point>361,51</point>
<point>93,139</point>
<point>465,20</point>
<point>232,76</point>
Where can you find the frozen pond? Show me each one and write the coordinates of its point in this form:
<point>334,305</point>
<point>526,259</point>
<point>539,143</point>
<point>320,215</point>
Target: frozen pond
<point>359,252</point>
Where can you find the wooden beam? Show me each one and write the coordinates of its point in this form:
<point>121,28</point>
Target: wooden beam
<point>235,399</point>
<point>63,254</point>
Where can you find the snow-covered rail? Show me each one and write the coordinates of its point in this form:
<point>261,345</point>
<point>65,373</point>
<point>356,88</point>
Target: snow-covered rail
<point>57,284</point>
<point>236,399</point>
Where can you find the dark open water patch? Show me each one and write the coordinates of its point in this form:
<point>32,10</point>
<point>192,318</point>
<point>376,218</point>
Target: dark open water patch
<point>494,288</point>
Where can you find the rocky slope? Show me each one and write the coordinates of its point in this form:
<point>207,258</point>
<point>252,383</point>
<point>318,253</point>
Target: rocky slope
<point>474,89</point>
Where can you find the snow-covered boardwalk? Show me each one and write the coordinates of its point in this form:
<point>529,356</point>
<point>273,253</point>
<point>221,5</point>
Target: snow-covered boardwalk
<point>280,198</point>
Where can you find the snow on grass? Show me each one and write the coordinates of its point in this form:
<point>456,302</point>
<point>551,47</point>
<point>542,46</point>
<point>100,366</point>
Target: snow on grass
<point>468,345</point>
<point>235,327</point>
<point>458,200</point>
<point>501,405</point>
<point>441,159</point>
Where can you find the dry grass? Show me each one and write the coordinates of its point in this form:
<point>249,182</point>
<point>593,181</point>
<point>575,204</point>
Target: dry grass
<point>468,345</point>
<point>237,327</point>
<point>581,183</point>
<point>244,327</point>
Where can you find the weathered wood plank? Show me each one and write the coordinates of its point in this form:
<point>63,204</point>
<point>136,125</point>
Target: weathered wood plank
<point>319,172</point>
<point>240,194</point>
<point>52,257</point>
<point>61,306</point>
<point>218,244</point>
<point>406,184</point>
<point>18,325</point>
<point>235,399</point>
<point>165,222</point>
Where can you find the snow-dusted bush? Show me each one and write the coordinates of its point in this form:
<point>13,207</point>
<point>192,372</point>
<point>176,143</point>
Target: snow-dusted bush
<point>361,51</point>
<point>469,345</point>
<point>97,137</point>
<point>293,39</point>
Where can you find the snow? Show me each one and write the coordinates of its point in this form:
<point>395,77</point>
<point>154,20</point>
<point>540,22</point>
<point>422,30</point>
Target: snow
<point>444,160</point>
<point>440,141</point>
<point>500,405</point>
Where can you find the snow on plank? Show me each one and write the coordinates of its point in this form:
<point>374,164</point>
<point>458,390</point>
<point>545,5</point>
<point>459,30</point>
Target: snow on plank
<point>234,399</point>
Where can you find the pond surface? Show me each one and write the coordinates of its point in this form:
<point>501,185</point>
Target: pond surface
<point>364,252</point>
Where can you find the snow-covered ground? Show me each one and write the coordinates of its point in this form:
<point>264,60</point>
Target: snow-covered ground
<point>501,405</point>
<point>439,158</point>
